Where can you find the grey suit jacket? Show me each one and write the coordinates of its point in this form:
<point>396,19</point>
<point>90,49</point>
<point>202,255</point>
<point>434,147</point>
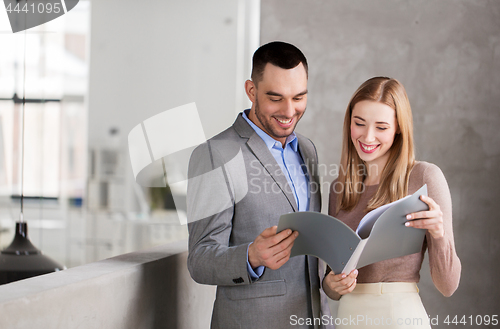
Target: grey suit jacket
<point>218,243</point>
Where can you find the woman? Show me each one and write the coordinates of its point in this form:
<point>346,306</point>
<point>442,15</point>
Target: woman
<point>379,167</point>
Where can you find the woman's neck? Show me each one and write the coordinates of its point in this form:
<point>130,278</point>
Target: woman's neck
<point>374,172</point>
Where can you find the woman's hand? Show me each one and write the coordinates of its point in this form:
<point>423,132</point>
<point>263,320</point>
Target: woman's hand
<point>431,220</point>
<point>340,283</point>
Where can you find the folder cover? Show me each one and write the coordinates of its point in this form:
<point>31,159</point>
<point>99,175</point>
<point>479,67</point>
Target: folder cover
<point>381,235</point>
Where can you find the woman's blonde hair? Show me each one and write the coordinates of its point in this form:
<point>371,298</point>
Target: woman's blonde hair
<point>394,178</point>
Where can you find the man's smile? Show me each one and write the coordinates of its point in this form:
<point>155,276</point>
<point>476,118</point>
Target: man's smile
<point>285,123</point>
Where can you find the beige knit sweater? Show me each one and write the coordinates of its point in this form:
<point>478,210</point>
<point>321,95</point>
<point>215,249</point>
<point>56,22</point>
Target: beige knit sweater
<point>444,263</point>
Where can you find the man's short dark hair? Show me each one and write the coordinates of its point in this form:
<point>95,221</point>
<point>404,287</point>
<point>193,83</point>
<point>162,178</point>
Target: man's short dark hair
<point>278,53</point>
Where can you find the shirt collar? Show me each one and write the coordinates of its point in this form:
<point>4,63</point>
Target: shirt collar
<point>271,142</point>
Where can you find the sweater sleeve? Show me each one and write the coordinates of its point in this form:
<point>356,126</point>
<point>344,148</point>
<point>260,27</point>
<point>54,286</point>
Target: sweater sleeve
<point>444,263</point>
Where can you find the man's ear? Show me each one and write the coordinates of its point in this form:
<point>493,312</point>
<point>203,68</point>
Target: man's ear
<point>251,90</point>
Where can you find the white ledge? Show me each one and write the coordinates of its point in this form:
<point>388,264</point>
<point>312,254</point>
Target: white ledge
<point>144,289</point>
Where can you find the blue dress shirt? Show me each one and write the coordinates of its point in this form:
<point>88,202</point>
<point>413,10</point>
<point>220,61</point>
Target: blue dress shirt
<point>292,166</point>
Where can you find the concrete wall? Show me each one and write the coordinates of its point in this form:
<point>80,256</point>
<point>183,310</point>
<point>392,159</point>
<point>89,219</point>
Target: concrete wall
<point>447,54</point>
<point>146,289</point>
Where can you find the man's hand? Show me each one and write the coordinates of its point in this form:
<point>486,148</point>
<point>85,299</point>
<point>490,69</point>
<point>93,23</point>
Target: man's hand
<point>270,249</point>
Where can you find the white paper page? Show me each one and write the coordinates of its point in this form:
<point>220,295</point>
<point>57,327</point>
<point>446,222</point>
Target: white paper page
<point>389,237</point>
<point>353,261</point>
<point>366,224</point>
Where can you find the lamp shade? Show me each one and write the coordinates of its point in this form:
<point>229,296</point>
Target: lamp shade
<point>22,260</point>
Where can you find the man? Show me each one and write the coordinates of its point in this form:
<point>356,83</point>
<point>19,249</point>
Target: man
<point>263,170</point>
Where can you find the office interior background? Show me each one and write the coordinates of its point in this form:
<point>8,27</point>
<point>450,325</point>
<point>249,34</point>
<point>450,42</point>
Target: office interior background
<point>108,65</point>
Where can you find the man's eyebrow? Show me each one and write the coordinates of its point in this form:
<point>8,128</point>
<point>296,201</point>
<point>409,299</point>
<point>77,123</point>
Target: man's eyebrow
<point>302,93</point>
<point>272,93</point>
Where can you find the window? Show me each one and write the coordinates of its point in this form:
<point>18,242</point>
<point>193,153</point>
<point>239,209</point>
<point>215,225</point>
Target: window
<point>48,64</point>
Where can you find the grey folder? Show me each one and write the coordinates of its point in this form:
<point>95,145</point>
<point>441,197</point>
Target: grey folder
<point>381,235</point>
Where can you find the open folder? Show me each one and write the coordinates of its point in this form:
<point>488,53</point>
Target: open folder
<point>381,235</point>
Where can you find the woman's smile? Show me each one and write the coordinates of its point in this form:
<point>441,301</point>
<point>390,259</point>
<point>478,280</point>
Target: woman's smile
<point>368,148</point>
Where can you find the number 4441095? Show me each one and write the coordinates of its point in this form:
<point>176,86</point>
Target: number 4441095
<point>40,8</point>
<point>477,320</point>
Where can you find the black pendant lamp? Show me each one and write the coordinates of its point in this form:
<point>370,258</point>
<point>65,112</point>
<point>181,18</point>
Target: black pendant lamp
<point>21,259</point>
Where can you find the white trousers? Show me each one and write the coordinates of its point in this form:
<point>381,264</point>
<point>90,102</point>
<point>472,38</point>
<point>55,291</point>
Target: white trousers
<point>382,305</point>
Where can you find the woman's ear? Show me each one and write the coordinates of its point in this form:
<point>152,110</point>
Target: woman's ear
<point>251,90</point>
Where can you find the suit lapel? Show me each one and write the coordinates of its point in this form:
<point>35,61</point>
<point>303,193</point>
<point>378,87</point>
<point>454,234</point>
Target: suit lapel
<point>308,155</point>
<point>262,153</point>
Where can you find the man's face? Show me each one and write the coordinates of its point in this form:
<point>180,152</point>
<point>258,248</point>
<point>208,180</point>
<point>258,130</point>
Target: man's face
<point>279,100</point>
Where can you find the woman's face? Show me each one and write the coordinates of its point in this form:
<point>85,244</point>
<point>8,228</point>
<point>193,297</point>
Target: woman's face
<point>373,127</point>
